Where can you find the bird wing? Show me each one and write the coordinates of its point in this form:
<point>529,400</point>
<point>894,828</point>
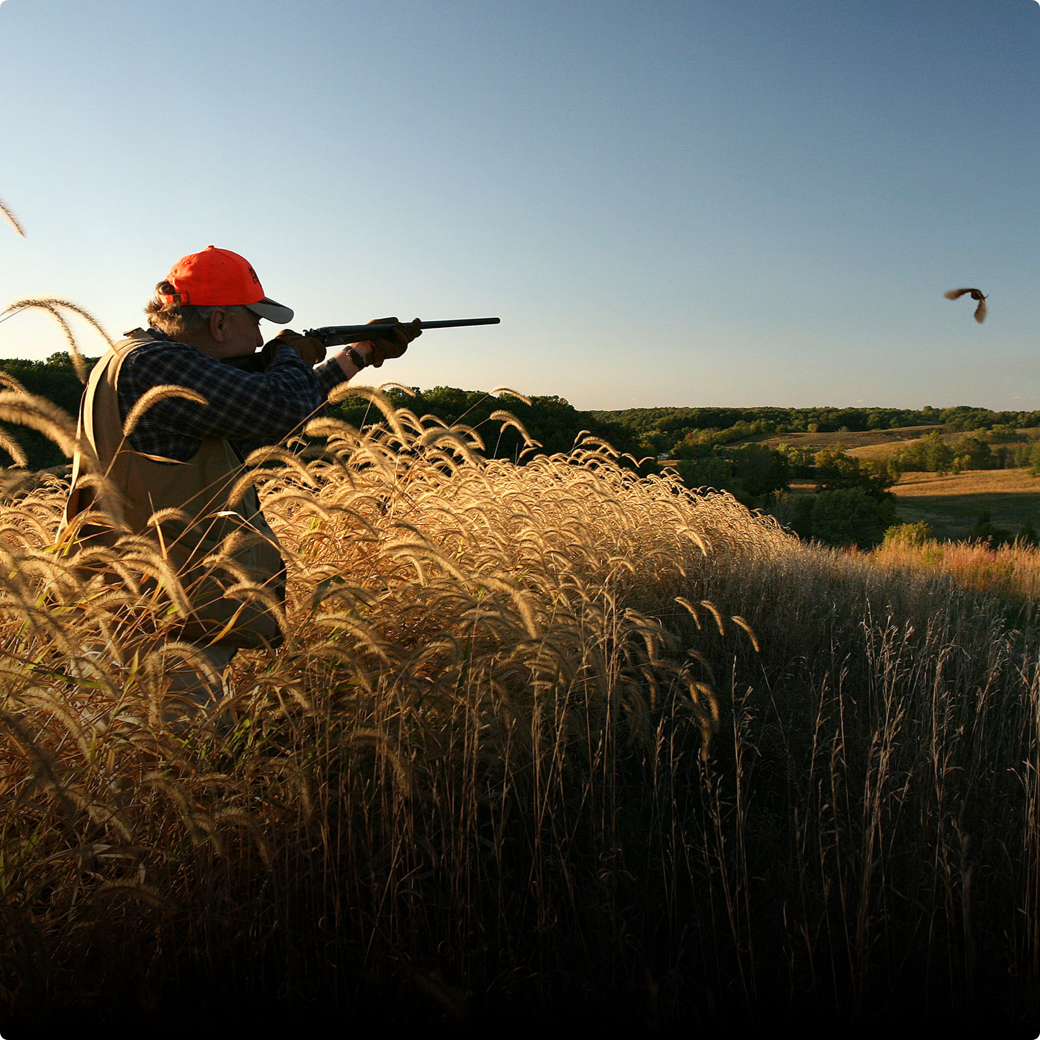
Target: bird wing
<point>980,311</point>
<point>956,294</point>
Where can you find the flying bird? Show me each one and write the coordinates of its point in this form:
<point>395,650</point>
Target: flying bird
<point>976,294</point>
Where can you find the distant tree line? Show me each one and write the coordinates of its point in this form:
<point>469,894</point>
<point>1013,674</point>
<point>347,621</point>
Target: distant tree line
<point>851,505</point>
<point>56,380</point>
<point>936,454</point>
<point>550,420</point>
<point>672,431</point>
<point>711,447</point>
<point>722,448</point>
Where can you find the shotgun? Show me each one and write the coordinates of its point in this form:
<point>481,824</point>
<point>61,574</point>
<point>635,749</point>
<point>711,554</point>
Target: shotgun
<point>338,335</point>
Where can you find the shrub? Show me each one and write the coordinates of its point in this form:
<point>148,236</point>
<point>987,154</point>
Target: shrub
<point>908,535</point>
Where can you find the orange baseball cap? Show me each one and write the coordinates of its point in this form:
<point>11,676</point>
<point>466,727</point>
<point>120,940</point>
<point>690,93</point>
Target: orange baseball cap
<point>220,278</point>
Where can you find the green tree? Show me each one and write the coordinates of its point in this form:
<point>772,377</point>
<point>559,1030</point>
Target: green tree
<point>846,517</point>
<point>761,470</point>
<point>56,380</point>
<point>938,455</point>
<point>908,534</point>
<point>971,453</point>
<point>836,469</point>
<point>707,471</point>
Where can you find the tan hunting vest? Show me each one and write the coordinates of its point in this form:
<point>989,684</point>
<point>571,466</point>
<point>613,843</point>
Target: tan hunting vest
<point>198,488</point>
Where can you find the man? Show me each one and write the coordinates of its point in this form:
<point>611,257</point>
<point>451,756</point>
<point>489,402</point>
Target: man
<point>168,421</point>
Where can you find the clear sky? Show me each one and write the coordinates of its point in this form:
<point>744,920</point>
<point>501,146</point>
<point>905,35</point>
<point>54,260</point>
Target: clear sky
<point>667,203</point>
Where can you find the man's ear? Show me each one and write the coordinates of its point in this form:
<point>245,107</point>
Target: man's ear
<point>218,324</point>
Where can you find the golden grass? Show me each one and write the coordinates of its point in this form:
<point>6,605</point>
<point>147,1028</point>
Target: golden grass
<point>55,308</point>
<point>1009,571</point>
<point>427,585</point>
<point>11,219</point>
<point>972,482</point>
<point>540,738</point>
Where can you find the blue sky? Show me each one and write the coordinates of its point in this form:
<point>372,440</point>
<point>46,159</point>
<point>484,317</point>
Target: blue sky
<point>666,203</point>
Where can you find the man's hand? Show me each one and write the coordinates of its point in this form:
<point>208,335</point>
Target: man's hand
<point>310,349</point>
<point>390,347</point>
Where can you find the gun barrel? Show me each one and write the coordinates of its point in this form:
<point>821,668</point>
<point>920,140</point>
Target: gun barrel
<point>337,335</point>
<point>458,321</point>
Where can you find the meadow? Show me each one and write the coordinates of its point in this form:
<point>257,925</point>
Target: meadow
<point>952,504</point>
<point>545,742</point>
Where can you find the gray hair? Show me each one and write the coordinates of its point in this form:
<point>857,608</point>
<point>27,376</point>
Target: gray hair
<point>179,319</point>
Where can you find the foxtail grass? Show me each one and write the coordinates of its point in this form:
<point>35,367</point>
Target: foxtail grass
<point>11,219</point>
<point>542,741</point>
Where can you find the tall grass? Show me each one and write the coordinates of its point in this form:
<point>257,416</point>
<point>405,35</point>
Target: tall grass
<point>11,219</point>
<point>1008,571</point>
<point>542,741</point>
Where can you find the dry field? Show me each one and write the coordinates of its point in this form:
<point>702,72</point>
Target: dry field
<point>544,743</point>
<point>952,504</point>
<point>471,649</point>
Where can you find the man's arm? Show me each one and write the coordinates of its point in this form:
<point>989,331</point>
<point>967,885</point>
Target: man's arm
<point>359,352</point>
<point>258,408</point>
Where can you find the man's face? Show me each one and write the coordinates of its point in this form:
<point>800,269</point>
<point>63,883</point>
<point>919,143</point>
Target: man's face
<point>237,334</point>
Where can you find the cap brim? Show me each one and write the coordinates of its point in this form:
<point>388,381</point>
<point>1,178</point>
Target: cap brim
<point>272,311</point>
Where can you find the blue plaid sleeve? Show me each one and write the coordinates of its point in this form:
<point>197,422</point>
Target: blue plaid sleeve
<point>248,408</point>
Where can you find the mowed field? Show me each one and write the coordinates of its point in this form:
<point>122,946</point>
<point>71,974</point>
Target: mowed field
<point>952,504</point>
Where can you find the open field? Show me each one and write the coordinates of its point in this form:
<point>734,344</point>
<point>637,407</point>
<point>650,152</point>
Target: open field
<point>952,504</point>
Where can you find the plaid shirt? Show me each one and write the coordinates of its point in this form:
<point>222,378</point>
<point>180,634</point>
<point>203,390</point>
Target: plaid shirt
<point>250,409</point>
